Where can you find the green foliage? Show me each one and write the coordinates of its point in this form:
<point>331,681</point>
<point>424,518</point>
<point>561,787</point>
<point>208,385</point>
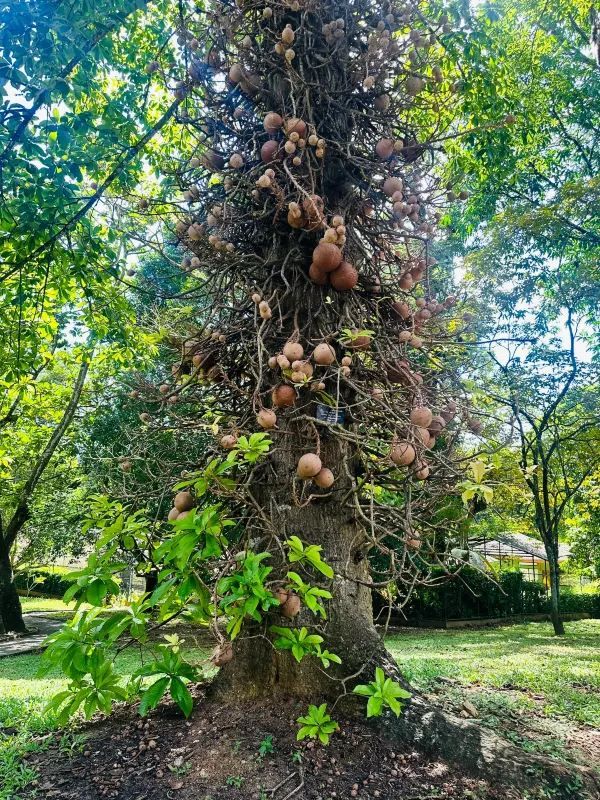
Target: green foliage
<point>266,746</point>
<point>42,581</point>
<point>308,554</point>
<point>310,594</point>
<point>302,643</point>
<point>244,593</point>
<point>253,447</point>
<point>95,582</point>
<point>478,594</point>
<point>174,672</point>
<point>317,724</point>
<point>382,693</point>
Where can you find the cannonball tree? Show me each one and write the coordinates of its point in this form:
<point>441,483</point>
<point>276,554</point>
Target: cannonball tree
<point>306,209</point>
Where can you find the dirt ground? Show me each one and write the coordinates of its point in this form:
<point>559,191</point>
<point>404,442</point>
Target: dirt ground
<point>216,756</point>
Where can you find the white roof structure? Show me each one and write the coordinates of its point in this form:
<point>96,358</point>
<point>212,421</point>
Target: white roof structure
<point>515,545</point>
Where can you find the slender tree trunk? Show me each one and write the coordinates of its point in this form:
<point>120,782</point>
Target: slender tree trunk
<point>11,613</point>
<point>10,605</point>
<point>559,628</point>
<point>150,581</point>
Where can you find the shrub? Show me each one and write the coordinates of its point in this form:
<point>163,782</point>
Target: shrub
<point>42,582</point>
<point>473,594</point>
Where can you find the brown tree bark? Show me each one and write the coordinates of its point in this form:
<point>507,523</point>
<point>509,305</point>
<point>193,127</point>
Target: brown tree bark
<point>11,615</point>
<point>10,605</point>
<point>328,520</point>
<point>557,623</point>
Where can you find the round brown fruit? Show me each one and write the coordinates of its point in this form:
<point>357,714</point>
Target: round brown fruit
<point>422,472</point>
<point>307,368</point>
<point>359,343</point>
<point>392,185</point>
<point>173,514</point>
<point>327,257</point>
<point>324,478</point>
<point>422,435</point>
<point>295,125</point>
<point>384,148</point>
<point>222,654</point>
<point>268,151</point>
<point>183,501</point>
<point>413,542</point>
<point>318,276</point>
<point>266,418</point>
<point>293,351</point>
<point>308,466</point>
<point>283,396</point>
<point>403,454</point>
<point>272,122</point>
<point>421,416</point>
<point>324,354</point>
<point>437,425</point>
<point>281,594</point>
<point>228,441</point>
<point>291,607</point>
<point>344,278</point>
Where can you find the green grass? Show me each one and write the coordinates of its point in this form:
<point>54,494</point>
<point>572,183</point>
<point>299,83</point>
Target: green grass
<point>528,658</point>
<point>45,604</point>
<point>23,698</point>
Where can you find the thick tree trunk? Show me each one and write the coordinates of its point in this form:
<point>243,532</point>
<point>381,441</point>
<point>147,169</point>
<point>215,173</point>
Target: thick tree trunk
<point>330,521</point>
<point>559,628</point>
<point>11,613</point>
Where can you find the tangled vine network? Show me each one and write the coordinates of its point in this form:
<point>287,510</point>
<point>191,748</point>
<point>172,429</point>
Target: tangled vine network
<point>308,211</point>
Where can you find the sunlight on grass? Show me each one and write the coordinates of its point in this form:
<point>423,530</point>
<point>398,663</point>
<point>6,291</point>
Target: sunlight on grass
<point>525,657</point>
<point>45,604</point>
<point>23,698</point>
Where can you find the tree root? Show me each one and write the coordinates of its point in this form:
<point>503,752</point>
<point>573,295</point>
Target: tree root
<point>483,754</point>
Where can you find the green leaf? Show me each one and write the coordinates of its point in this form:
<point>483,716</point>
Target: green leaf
<point>181,695</point>
<point>152,695</point>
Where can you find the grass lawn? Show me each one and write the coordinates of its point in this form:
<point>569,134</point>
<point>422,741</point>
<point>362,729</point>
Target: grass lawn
<point>23,697</point>
<point>45,604</point>
<point>527,658</point>
<point>546,689</point>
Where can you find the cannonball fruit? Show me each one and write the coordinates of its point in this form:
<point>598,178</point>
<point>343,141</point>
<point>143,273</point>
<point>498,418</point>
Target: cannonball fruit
<point>222,654</point>
<point>324,478</point>
<point>283,396</point>
<point>293,351</point>
<point>437,425</point>
<point>269,150</point>
<point>266,418</point>
<point>384,148</point>
<point>183,501</point>
<point>272,122</point>
<point>228,441</point>
<point>403,454</point>
<point>421,416</point>
<point>392,185</point>
<point>291,607</point>
<point>308,466</point>
<point>422,472</point>
<point>173,514</point>
<point>344,278</point>
<point>318,276</point>
<point>327,257</point>
<point>324,354</point>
